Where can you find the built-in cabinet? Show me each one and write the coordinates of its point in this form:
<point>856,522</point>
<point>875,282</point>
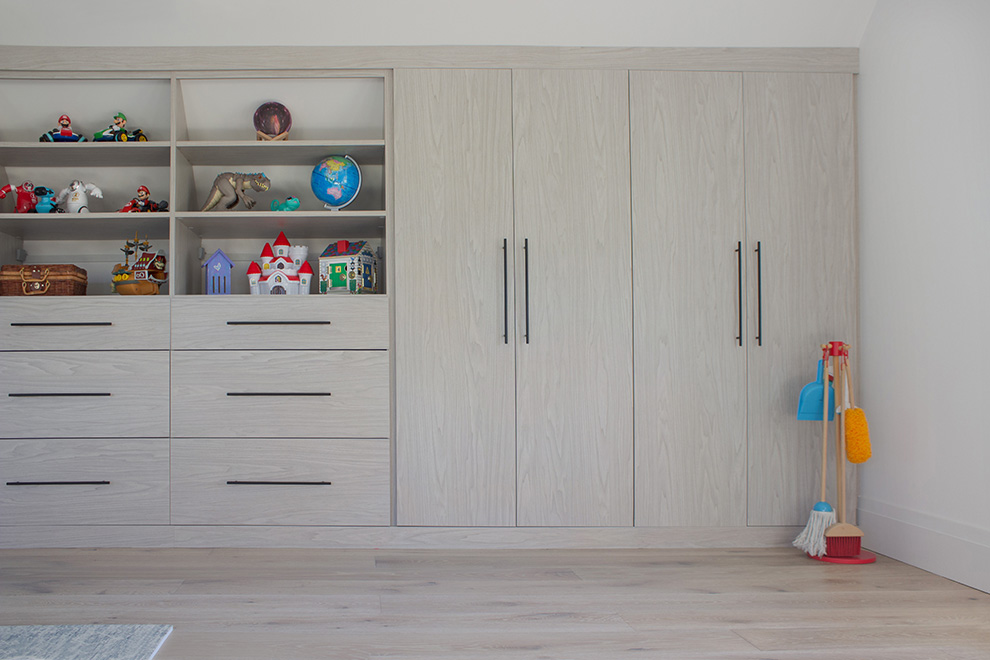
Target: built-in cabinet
<point>606,284</point>
<point>706,273</point>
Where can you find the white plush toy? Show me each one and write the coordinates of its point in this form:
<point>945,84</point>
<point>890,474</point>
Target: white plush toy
<point>78,196</point>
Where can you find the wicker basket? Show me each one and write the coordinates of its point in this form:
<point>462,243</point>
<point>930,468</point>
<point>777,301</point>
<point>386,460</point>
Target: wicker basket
<point>43,280</point>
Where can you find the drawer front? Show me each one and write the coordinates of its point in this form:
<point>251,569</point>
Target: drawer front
<point>85,394</point>
<point>242,481</point>
<point>280,394</point>
<point>84,482</point>
<point>68,323</point>
<point>293,322</point>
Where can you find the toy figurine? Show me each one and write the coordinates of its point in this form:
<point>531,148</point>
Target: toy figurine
<point>78,194</point>
<point>231,187</point>
<point>117,132</point>
<point>143,203</point>
<point>145,276</point>
<point>46,201</point>
<point>283,270</point>
<point>290,204</point>
<point>62,133</point>
<point>27,199</point>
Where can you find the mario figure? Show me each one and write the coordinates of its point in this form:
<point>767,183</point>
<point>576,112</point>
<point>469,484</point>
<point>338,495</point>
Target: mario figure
<point>26,197</point>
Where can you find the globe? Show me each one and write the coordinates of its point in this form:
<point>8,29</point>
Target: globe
<point>336,181</point>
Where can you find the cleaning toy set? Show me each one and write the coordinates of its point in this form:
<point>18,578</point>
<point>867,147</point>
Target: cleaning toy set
<point>827,536</point>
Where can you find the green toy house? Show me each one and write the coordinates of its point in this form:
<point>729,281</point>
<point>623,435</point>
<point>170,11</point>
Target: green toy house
<point>348,267</point>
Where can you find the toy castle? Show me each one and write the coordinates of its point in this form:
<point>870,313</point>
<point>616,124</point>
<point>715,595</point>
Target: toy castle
<point>283,270</point>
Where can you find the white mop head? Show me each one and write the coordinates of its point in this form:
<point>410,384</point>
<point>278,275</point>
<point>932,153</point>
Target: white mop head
<point>812,539</point>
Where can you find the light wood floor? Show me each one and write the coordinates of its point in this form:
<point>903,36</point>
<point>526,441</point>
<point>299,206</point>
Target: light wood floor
<point>775,604</point>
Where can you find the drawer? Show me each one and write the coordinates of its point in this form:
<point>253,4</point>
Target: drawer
<point>294,322</point>
<point>280,394</point>
<point>84,482</point>
<point>242,481</point>
<point>84,323</point>
<point>85,394</point>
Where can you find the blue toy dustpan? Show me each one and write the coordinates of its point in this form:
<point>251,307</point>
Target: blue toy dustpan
<point>810,402</point>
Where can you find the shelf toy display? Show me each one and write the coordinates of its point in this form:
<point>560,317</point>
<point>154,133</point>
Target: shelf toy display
<point>218,268</point>
<point>145,276</point>
<point>272,122</point>
<point>27,196</point>
<point>283,269</point>
<point>117,132</point>
<point>290,204</point>
<point>62,133</point>
<point>76,196</point>
<point>336,181</point>
<point>143,203</point>
<point>229,188</point>
<point>347,267</point>
<point>46,201</point>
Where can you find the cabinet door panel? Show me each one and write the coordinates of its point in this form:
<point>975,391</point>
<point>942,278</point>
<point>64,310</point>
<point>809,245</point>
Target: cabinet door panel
<point>454,360</point>
<point>801,209</point>
<point>574,301</point>
<point>688,222</point>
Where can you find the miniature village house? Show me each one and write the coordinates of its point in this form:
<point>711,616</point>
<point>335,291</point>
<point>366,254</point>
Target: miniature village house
<point>218,268</point>
<point>283,269</point>
<point>350,267</point>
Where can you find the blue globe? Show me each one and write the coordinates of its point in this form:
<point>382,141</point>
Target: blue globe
<point>336,181</point>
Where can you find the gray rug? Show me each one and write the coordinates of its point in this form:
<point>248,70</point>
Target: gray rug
<point>81,642</point>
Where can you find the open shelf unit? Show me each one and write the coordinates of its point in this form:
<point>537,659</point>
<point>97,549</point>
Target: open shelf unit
<point>198,124</point>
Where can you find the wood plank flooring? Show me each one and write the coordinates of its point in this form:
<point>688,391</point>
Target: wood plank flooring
<point>746,604</point>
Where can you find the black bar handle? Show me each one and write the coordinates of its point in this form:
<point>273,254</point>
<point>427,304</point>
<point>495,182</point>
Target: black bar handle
<point>42,394</point>
<point>279,483</point>
<point>66,324</point>
<point>279,323</point>
<point>759,293</point>
<point>278,393</point>
<point>526,259</point>
<point>58,483</point>
<point>739,278</point>
<point>505,289</point>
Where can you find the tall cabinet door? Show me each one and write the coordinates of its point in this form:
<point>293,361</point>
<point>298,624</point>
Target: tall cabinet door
<point>454,339</point>
<point>801,214</point>
<point>688,255</point>
<point>574,300</point>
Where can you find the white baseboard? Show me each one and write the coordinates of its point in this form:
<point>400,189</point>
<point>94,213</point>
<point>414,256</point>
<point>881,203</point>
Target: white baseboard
<point>954,550</point>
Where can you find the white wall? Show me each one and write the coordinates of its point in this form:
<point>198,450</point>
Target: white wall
<point>752,23</point>
<point>924,144</point>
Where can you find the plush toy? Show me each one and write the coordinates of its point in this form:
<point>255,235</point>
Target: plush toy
<point>27,199</point>
<point>77,194</point>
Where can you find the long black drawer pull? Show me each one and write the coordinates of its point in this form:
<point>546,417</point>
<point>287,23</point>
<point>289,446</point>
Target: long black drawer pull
<point>526,282</point>
<point>279,483</point>
<point>759,293</point>
<point>61,325</point>
<point>279,323</point>
<point>278,393</point>
<point>739,291</point>
<point>505,290</point>
<point>58,483</point>
<point>40,394</point>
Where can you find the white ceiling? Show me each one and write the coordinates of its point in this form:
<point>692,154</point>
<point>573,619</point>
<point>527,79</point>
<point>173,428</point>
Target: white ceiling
<point>700,23</point>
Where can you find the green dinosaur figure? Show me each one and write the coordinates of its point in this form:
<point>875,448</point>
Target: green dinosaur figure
<point>231,187</point>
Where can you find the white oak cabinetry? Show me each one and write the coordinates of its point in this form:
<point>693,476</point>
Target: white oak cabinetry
<point>801,215</point>
<point>573,300</point>
<point>733,297</point>
<point>514,365</point>
<point>691,337</point>
<point>84,410</point>
<point>455,260</point>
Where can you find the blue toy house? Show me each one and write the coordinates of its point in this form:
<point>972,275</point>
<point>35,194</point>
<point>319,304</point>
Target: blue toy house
<point>218,268</point>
